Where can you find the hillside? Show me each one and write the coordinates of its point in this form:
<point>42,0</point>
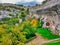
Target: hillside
<point>9,10</point>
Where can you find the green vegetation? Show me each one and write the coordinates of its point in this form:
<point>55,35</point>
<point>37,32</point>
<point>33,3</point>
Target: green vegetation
<point>16,35</point>
<point>40,23</point>
<point>57,42</point>
<point>27,11</point>
<point>29,29</point>
<point>46,33</point>
<point>12,34</point>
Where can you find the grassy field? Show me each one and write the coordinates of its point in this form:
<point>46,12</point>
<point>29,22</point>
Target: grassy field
<point>47,34</point>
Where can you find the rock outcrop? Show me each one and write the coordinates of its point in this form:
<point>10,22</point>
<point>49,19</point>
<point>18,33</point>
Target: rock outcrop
<point>51,11</point>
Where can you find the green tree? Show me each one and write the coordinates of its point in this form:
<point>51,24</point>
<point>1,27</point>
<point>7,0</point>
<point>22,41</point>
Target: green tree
<point>27,11</point>
<point>23,16</point>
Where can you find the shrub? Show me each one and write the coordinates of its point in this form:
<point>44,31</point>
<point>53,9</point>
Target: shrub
<point>16,35</point>
<point>34,22</point>
<point>12,35</point>
<point>29,29</point>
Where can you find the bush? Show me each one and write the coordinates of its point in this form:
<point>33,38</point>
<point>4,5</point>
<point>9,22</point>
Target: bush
<point>40,23</point>
<point>22,15</point>
<point>29,30</point>
<point>11,35</point>
<point>16,35</point>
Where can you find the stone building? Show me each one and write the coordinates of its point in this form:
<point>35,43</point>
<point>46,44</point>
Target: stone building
<point>50,11</point>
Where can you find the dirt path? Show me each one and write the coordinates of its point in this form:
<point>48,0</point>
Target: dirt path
<point>37,41</point>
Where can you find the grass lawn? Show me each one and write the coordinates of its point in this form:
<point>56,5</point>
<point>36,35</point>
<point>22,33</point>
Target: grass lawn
<point>46,33</point>
<point>53,43</point>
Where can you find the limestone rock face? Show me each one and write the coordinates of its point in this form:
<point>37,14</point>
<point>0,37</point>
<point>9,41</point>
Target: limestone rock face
<point>58,27</point>
<point>57,31</point>
<point>8,10</point>
<point>51,10</point>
